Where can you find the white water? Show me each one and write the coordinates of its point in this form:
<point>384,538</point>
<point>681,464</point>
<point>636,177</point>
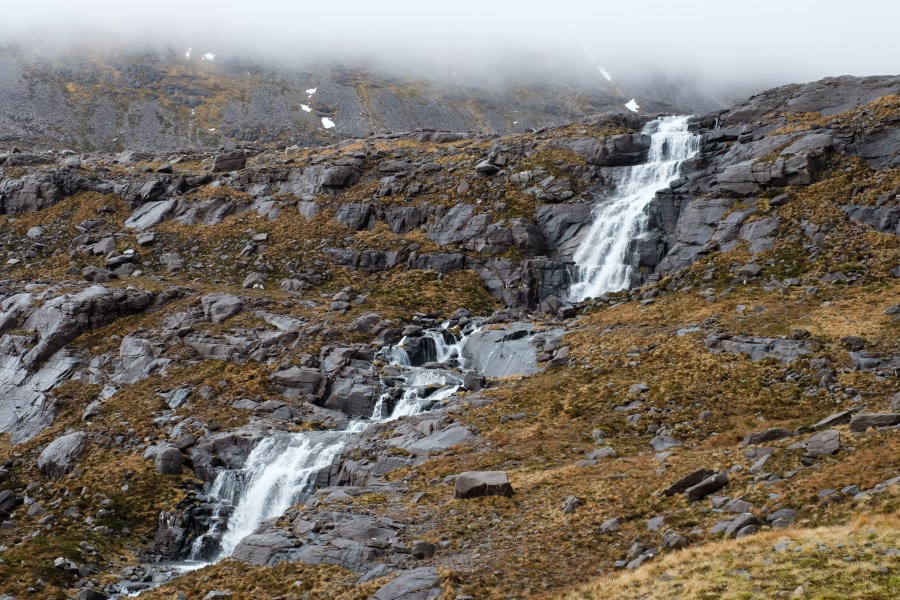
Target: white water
<point>601,260</point>
<point>282,468</point>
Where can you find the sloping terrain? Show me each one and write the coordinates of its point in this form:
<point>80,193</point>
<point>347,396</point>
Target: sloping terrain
<point>112,99</point>
<point>163,312</point>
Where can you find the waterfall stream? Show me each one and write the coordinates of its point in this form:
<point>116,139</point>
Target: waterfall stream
<point>281,470</point>
<point>602,263</point>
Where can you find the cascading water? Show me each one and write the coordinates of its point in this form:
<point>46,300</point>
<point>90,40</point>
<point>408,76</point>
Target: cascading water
<point>282,468</point>
<point>601,261</point>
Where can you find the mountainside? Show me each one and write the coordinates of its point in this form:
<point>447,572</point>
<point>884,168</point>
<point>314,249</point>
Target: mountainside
<point>111,100</point>
<point>390,316</point>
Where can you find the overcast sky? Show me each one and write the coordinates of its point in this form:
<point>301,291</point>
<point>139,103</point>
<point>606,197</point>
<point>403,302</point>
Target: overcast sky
<point>767,40</point>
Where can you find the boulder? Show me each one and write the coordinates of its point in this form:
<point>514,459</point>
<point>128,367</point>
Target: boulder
<point>418,584</point>
<point>259,548</point>
<point>767,435</point>
<point>8,502</point>
<point>823,443</point>
<point>87,593</point>
<point>708,486</point>
<point>218,307</point>
<point>298,381</point>
<point>151,214</point>
<point>689,480</point>
<point>168,461</point>
<point>60,455</point>
<point>838,418</point>
<point>863,421</point>
<point>229,161</point>
<point>474,484</point>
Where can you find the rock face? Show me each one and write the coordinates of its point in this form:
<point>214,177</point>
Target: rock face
<point>474,484</point>
<point>60,455</point>
<point>381,100</point>
<point>35,363</point>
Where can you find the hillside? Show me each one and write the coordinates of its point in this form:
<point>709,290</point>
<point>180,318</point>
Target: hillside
<point>112,98</point>
<point>165,314</point>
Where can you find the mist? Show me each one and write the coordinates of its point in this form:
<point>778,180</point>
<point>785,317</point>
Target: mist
<point>754,44</point>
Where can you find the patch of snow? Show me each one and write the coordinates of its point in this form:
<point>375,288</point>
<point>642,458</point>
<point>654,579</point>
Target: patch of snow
<point>188,53</point>
<point>209,56</point>
<point>632,105</point>
<point>311,91</point>
<point>605,73</point>
<point>305,108</point>
<point>327,123</point>
<point>211,129</point>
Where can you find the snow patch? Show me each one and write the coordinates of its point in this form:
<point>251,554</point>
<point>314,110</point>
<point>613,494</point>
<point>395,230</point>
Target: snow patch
<point>632,105</point>
<point>305,108</point>
<point>209,56</point>
<point>327,123</point>
<point>187,54</point>
<point>311,91</point>
<point>605,73</point>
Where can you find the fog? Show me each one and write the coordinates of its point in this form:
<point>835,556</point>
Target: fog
<point>763,42</point>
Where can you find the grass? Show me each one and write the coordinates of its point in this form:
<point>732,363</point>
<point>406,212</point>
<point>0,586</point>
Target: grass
<point>836,562</point>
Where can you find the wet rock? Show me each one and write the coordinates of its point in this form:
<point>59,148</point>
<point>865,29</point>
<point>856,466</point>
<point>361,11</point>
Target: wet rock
<point>91,594</point>
<point>60,455</point>
<point>474,484</point>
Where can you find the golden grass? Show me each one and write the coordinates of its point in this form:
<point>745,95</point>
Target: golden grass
<point>797,562</point>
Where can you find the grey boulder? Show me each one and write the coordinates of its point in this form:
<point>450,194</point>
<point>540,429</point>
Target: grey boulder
<point>474,484</point>
<point>418,584</point>
<point>59,456</point>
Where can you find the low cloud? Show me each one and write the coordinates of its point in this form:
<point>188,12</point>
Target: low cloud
<point>764,42</point>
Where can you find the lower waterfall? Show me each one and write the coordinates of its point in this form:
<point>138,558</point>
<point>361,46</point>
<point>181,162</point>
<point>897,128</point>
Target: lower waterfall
<point>602,263</point>
<point>281,470</point>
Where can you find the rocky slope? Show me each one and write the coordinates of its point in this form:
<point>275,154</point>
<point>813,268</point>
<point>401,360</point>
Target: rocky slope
<point>116,99</point>
<point>162,312</point>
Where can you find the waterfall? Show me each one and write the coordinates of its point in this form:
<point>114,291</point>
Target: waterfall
<point>282,469</point>
<point>602,263</point>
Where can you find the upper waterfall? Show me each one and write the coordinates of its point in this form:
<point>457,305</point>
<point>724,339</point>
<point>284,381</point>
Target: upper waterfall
<point>602,262</point>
